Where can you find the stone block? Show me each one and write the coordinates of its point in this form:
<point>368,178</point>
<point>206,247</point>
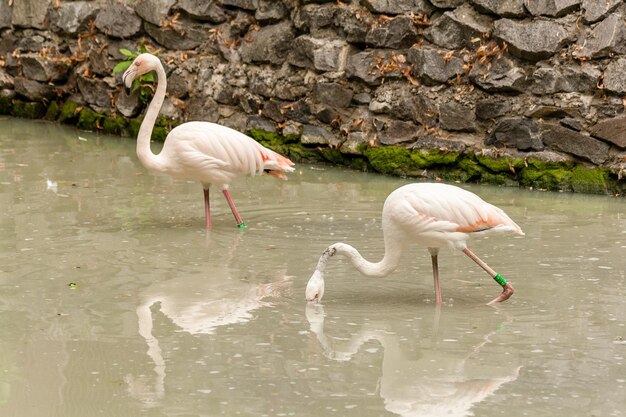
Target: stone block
<point>396,33</point>
<point>611,130</point>
<point>614,80</point>
<point>521,134</point>
<point>395,7</point>
<point>564,79</point>
<point>332,94</point>
<point>562,139</point>
<point>34,90</point>
<point>190,36</point>
<point>595,10</point>
<point>454,116</point>
<point>31,13</point>
<point>504,75</point>
<point>502,8</point>
<point>73,17</point>
<point>551,8</point>
<point>94,91</point>
<point>455,29</point>
<point>604,39</point>
<point>319,54</point>
<point>42,69</point>
<point>118,20</point>
<point>154,11</point>
<point>532,40</point>
<point>396,132</point>
<point>204,10</point>
<point>434,66</point>
<point>270,44</point>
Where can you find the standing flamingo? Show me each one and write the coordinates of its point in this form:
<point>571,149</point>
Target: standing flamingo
<point>432,215</point>
<point>203,151</point>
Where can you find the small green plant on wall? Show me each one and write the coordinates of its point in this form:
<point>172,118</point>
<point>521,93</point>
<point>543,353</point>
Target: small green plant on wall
<point>143,83</point>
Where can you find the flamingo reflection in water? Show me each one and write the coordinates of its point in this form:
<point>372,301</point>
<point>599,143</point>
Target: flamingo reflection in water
<point>186,305</point>
<point>424,385</point>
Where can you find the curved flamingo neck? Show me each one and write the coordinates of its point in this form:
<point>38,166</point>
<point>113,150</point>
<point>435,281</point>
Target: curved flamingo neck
<point>390,261</point>
<point>144,152</point>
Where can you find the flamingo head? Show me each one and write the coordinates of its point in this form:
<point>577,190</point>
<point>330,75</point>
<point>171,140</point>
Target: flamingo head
<point>143,64</point>
<point>315,288</point>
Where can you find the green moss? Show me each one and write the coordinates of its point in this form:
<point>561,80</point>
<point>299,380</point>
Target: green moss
<point>391,160</point>
<point>554,179</point>
<point>334,156</point>
<point>264,136</point>
<point>495,179</point>
<point>545,166</point>
<point>298,152</point>
<point>114,125</point>
<point>425,159</point>
<point>472,169</point>
<point>133,126</point>
<point>593,180</point>
<point>68,112</point>
<point>52,112</point>
<point>89,120</point>
<point>5,105</point>
<point>28,110</point>
<point>159,133</point>
<point>500,164</point>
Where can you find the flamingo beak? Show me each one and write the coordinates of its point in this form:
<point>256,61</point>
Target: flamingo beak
<point>315,287</point>
<point>128,78</point>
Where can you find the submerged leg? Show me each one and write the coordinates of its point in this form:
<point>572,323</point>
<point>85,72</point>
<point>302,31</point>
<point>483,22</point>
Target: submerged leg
<point>433,257</point>
<point>507,289</point>
<point>207,208</point>
<point>229,199</point>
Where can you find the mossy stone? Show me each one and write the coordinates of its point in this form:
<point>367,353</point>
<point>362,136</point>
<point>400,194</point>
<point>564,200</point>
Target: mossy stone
<point>500,164</point>
<point>545,165</point>
<point>473,170</point>
<point>264,136</point>
<point>297,152</point>
<point>53,110</point>
<point>594,180</point>
<point>89,120</point>
<point>5,105</point>
<point>133,126</point>
<point>68,112</point>
<point>550,179</point>
<point>494,179</point>
<point>334,156</point>
<point>425,159</point>
<point>391,160</point>
<point>28,110</point>
<point>159,133</point>
<point>114,125</point>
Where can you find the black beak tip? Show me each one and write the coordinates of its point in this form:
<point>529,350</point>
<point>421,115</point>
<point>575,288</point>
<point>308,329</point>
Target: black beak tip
<point>126,89</point>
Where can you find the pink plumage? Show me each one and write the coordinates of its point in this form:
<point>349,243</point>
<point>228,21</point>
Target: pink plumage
<point>206,152</point>
<point>433,215</point>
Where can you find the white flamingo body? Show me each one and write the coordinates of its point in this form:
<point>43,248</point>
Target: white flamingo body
<point>215,154</point>
<point>433,215</point>
<point>440,215</point>
<point>206,152</point>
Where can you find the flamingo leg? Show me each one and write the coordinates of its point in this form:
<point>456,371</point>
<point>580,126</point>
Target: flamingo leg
<point>507,288</point>
<point>207,208</point>
<point>229,199</point>
<point>433,257</point>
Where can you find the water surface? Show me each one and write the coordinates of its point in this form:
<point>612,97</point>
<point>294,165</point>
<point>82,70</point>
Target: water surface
<point>114,301</point>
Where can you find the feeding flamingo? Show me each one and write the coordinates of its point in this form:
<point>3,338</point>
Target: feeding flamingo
<point>432,215</point>
<point>203,151</point>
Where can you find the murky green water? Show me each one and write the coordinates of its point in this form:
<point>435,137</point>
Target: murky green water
<point>163,319</point>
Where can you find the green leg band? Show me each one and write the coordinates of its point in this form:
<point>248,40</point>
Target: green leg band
<point>500,280</point>
<point>242,225</point>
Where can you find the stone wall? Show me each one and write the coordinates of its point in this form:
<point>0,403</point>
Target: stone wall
<point>517,92</point>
